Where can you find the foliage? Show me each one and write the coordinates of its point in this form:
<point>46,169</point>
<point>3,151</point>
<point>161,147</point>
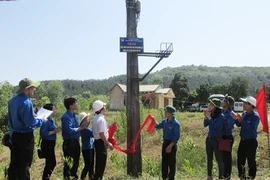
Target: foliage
<point>238,87</point>
<point>180,88</point>
<point>55,90</point>
<point>155,79</point>
<point>203,93</point>
<point>5,95</point>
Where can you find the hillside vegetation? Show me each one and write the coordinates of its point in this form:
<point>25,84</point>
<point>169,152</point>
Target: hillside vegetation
<point>196,75</point>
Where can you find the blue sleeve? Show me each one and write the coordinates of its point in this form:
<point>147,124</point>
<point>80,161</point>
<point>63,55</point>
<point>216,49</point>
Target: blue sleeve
<point>253,126</point>
<point>206,122</point>
<point>176,133</point>
<point>28,117</point>
<point>67,125</point>
<point>44,130</point>
<point>159,125</point>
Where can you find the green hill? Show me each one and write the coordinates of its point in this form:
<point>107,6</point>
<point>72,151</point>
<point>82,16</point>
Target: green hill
<point>196,75</point>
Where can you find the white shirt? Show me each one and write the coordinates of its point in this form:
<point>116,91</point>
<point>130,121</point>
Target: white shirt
<point>99,125</point>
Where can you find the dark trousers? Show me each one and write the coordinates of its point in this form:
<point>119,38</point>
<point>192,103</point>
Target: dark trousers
<point>101,158</point>
<point>227,159</point>
<point>47,148</point>
<point>88,157</point>
<point>21,156</point>
<point>247,150</point>
<point>168,161</point>
<point>211,148</point>
<point>71,149</point>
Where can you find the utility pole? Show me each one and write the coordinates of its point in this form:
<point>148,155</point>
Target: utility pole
<point>134,160</point>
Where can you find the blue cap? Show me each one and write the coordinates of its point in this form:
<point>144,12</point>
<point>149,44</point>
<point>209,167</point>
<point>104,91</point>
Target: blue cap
<point>170,109</point>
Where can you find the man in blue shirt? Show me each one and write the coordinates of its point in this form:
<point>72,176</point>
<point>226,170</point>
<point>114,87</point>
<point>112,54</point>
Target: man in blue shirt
<point>23,123</point>
<point>171,135</point>
<point>71,133</point>
<point>248,122</point>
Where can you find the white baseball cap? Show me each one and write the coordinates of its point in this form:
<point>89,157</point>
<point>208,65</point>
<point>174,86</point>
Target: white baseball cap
<point>98,105</point>
<point>83,115</point>
<point>250,100</point>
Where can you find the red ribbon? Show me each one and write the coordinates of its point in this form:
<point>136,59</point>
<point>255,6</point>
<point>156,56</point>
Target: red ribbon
<point>112,129</point>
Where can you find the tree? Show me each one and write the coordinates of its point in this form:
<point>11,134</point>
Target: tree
<point>5,95</point>
<point>42,101</point>
<point>219,89</point>
<point>203,92</point>
<point>55,92</point>
<point>238,88</point>
<point>181,90</point>
<point>40,92</point>
<point>192,97</point>
<point>156,79</point>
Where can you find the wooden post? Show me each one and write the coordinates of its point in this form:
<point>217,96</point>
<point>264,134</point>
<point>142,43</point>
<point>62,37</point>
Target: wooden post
<point>134,161</point>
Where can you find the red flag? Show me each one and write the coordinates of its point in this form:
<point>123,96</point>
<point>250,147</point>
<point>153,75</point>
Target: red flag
<point>262,108</point>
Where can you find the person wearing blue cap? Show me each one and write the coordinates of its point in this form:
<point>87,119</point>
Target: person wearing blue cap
<point>171,135</point>
<point>248,122</point>
<point>214,119</point>
<point>227,133</point>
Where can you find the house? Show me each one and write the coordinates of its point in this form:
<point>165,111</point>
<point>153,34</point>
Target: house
<point>152,96</point>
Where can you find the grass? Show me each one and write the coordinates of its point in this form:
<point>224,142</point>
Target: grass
<point>191,156</point>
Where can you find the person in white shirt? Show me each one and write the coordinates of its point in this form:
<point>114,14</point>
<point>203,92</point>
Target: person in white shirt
<point>100,133</point>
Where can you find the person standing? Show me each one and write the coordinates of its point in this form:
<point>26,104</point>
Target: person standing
<point>214,120</point>
<point>22,123</point>
<point>100,132</point>
<point>171,135</point>
<point>227,133</point>
<point>248,122</point>
<point>48,133</point>
<point>87,148</point>
<point>71,134</point>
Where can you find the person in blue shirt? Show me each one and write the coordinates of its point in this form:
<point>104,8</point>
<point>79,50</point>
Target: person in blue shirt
<point>171,135</point>
<point>87,148</point>
<point>71,134</point>
<point>227,133</point>
<point>22,122</point>
<point>48,133</point>
<point>214,120</point>
<point>248,122</point>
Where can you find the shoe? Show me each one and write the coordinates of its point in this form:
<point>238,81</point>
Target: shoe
<point>209,178</point>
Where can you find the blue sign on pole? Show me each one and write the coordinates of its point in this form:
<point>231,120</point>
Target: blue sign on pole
<point>131,45</point>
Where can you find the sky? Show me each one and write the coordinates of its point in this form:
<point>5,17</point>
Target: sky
<point>79,39</point>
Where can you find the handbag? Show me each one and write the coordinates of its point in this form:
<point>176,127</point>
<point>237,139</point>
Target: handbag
<point>5,140</point>
<point>225,144</point>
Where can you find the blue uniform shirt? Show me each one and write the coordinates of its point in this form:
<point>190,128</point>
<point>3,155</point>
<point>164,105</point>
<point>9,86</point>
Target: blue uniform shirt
<point>46,128</point>
<point>249,125</point>
<point>215,126</point>
<point>21,115</point>
<point>171,130</point>
<point>69,126</point>
<point>229,122</point>
<point>87,139</point>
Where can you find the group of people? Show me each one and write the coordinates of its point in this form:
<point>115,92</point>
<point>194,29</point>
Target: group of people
<point>23,121</point>
<point>221,120</point>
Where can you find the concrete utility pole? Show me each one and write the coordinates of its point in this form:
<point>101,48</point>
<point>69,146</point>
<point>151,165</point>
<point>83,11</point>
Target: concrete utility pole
<point>134,161</point>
